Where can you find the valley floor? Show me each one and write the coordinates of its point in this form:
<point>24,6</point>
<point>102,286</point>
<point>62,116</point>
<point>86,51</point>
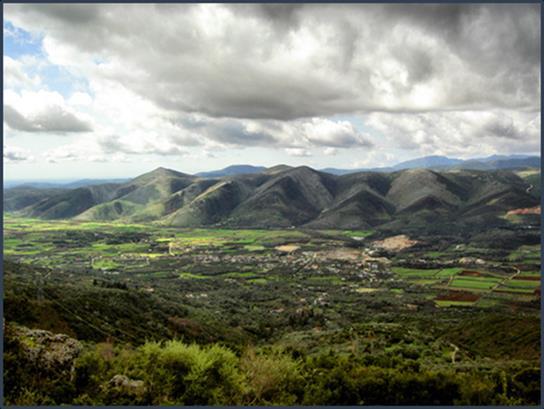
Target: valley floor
<point>155,315</point>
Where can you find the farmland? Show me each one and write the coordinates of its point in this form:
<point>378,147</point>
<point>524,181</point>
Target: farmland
<point>305,299</point>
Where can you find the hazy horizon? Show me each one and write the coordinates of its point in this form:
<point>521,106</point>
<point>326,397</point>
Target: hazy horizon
<point>149,169</point>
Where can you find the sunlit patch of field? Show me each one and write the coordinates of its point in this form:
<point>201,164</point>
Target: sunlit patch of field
<point>192,276</point>
<point>105,264</point>
<point>365,290</point>
<point>287,248</point>
<point>474,283</point>
<point>448,272</point>
<point>414,272</point>
<point>444,303</point>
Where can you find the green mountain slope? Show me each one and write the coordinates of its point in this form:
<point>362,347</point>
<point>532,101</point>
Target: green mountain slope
<point>291,197</point>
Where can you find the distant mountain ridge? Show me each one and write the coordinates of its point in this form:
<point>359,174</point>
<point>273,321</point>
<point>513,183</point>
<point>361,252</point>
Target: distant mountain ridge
<point>232,170</point>
<point>60,184</point>
<point>443,162</point>
<point>427,162</point>
<point>286,196</point>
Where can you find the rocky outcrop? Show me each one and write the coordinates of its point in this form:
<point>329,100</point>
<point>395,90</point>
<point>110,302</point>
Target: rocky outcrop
<point>126,385</point>
<point>45,350</point>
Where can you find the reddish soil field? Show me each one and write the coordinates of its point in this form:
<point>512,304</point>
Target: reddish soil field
<point>458,296</point>
<point>526,278</point>
<point>470,273</point>
<point>527,210</point>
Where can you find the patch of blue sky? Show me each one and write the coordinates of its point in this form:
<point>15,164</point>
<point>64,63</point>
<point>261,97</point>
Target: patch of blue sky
<point>18,42</point>
<point>63,81</point>
<point>355,120</point>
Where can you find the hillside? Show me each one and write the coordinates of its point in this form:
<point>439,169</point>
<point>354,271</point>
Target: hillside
<point>285,196</point>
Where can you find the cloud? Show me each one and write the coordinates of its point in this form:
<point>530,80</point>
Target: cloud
<point>184,79</point>
<point>341,134</point>
<point>41,111</point>
<point>233,132</point>
<point>464,133</point>
<point>13,154</point>
<point>50,119</point>
<point>298,152</point>
<point>139,146</point>
<point>15,75</point>
<point>288,62</point>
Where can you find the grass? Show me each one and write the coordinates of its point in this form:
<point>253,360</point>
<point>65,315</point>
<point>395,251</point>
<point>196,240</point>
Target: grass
<point>445,304</point>
<point>413,273</point>
<point>521,284</point>
<point>254,247</point>
<point>530,274</point>
<point>104,264</point>
<point>364,290</point>
<point>472,284</point>
<point>448,272</point>
<point>237,274</point>
<point>523,290</point>
<point>191,276</point>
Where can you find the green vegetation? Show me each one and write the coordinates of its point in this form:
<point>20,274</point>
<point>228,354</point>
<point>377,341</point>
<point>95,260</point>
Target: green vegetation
<point>473,284</point>
<point>265,317</point>
<point>442,303</point>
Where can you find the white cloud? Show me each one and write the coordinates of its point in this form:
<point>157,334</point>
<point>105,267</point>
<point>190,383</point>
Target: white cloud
<point>341,134</point>
<point>15,75</point>
<point>14,154</point>
<point>461,133</point>
<point>298,152</point>
<point>42,111</point>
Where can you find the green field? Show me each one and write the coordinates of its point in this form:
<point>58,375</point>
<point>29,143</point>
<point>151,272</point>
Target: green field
<point>474,283</point>
<point>444,304</point>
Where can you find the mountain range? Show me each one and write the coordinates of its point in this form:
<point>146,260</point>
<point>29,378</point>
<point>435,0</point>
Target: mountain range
<point>443,162</point>
<point>285,196</point>
<point>427,162</point>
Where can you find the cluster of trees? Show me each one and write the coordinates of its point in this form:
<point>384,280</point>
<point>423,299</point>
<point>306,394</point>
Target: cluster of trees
<point>174,372</point>
<point>110,284</point>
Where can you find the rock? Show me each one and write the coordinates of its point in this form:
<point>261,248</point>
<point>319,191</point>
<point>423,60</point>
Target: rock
<point>51,353</point>
<point>127,385</point>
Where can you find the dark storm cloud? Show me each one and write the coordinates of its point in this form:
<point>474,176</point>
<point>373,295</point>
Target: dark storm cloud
<point>50,119</point>
<point>284,17</point>
<point>285,62</point>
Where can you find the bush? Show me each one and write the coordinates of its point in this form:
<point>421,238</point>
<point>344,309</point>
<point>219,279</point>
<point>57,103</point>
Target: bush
<point>273,378</point>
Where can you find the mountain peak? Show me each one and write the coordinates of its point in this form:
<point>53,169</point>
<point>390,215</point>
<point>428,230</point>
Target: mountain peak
<point>278,168</point>
<point>161,172</point>
<point>231,171</point>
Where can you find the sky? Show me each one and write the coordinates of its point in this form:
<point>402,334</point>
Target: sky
<point>109,91</point>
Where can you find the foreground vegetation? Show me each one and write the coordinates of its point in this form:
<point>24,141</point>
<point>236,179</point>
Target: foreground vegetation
<point>174,372</point>
<point>260,317</point>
